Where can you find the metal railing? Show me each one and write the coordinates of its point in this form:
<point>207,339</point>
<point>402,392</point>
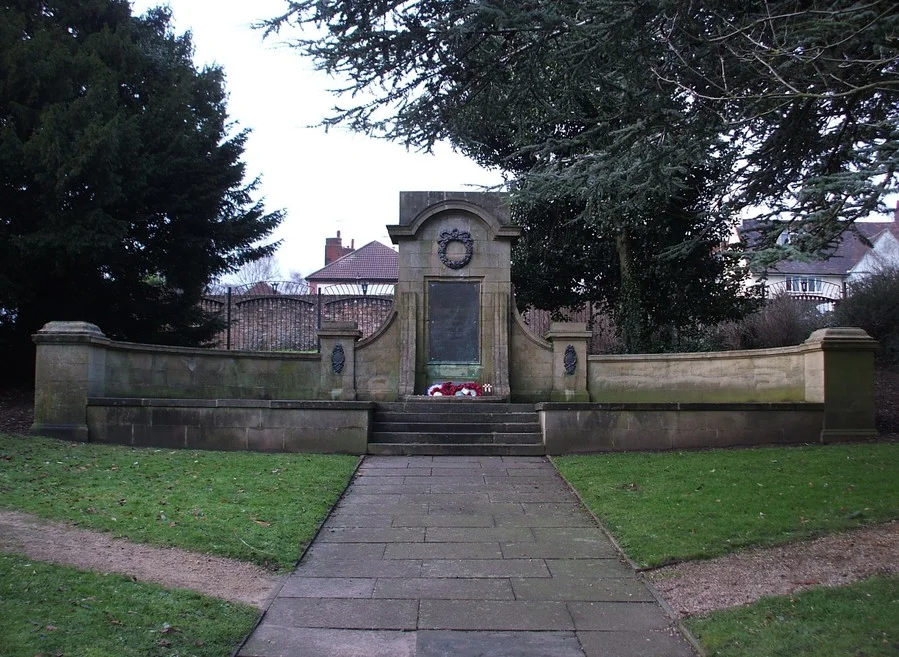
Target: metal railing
<point>286,316</point>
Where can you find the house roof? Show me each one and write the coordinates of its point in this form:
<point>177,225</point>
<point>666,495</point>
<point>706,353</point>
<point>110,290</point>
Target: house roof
<point>373,262</point>
<point>848,251</point>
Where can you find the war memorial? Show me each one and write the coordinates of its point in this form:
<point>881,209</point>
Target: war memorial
<point>453,320</point>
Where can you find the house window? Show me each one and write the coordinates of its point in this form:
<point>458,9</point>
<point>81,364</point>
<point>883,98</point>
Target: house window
<point>802,284</point>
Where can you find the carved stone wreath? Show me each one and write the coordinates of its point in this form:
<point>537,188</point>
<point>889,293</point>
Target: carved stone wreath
<point>570,360</point>
<point>455,235</point>
<point>338,359</point>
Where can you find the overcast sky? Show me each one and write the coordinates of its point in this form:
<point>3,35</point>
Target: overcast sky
<point>325,181</point>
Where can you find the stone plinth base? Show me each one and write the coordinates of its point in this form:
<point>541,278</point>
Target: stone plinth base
<point>582,428</point>
<point>232,424</point>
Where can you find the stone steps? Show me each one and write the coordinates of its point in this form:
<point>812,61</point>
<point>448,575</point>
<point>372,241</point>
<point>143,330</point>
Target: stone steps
<point>428,425</point>
<point>438,449</point>
<point>455,427</point>
<point>452,438</point>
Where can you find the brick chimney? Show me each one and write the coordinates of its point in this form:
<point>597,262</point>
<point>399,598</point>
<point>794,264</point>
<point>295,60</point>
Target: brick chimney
<point>335,249</point>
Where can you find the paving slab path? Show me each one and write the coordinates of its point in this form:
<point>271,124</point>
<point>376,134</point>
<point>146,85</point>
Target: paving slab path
<point>450,556</point>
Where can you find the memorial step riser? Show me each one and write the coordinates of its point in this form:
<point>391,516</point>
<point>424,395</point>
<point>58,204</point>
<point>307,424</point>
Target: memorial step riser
<point>454,406</point>
<point>409,426</point>
<point>458,418</point>
<point>428,449</point>
<point>458,438</point>
<point>455,427</point>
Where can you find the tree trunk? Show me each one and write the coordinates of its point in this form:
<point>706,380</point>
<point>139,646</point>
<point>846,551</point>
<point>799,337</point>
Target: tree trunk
<point>629,311</point>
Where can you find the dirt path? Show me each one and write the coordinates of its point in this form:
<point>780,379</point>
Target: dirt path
<point>690,588</point>
<point>61,544</point>
<point>696,587</point>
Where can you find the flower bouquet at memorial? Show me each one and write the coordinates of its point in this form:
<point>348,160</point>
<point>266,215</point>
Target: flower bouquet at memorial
<point>450,389</point>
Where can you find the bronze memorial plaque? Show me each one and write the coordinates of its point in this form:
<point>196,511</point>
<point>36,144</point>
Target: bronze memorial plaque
<point>454,322</point>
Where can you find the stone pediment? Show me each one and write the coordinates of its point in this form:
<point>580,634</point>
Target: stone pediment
<point>416,208</point>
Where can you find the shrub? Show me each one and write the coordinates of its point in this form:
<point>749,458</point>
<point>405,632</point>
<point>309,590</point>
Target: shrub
<point>873,304</point>
<point>781,322</point>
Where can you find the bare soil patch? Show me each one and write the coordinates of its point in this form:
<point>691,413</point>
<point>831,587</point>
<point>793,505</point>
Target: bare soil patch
<point>696,587</point>
<point>54,542</point>
<point>16,410</point>
<point>886,401</point>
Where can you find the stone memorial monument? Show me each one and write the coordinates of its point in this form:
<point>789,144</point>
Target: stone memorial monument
<point>454,290</point>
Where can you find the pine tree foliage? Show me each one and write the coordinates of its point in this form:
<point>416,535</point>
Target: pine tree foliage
<point>122,190</point>
<point>809,90</point>
<point>604,156</point>
<point>806,91</point>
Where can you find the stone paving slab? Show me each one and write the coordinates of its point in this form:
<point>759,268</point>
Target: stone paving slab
<point>328,587</point>
<point>588,589</point>
<point>321,567</point>
<point>494,615</point>
<point>561,549</point>
<point>498,510</point>
<point>622,644</point>
<point>382,508</point>
<point>487,550</point>
<point>365,480</point>
<point>343,551</point>
<point>477,535</point>
<point>344,613</point>
<point>271,640</point>
<point>444,520</point>
<point>431,588</point>
<point>485,568</point>
<point>608,568</point>
<point>436,643</point>
<point>451,496</point>
<point>355,519</point>
<point>634,617</point>
<point>463,556</point>
<point>377,488</point>
<point>371,535</point>
<point>533,520</point>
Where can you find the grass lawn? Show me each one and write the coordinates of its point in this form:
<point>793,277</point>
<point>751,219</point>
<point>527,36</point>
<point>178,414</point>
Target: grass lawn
<point>54,610</point>
<point>670,506</point>
<point>860,619</point>
<point>262,508</point>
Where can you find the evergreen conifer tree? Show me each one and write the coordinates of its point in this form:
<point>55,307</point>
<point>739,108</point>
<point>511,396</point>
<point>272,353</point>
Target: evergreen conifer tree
<point>122,191</point>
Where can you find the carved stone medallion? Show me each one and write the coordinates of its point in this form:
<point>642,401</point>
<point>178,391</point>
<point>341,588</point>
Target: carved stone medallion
<point>570,360</point>
<point>455,235</point>
<point>338,358</point>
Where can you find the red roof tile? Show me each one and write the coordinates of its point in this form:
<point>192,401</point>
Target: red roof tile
<point>373,262</point>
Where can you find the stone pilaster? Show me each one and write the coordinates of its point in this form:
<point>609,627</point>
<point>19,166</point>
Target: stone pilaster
<point>70,366</point>
<point>408,344</point>
<point>569,341</point>
<point>338,360</point>
<point>840,372</point>
<point>501,345</point>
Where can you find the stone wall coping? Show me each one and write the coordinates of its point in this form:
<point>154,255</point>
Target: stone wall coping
<point>70,333</point>
<point>385,326</point>
<point>536,339</point>
<point>679,406</point>
<point>742,354</point>
<point>286,404</point>
<point>340,330</point>
<point>86,333</point>
<point>842,338</point>
<point>219,353</point>
<point>568,330</point>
